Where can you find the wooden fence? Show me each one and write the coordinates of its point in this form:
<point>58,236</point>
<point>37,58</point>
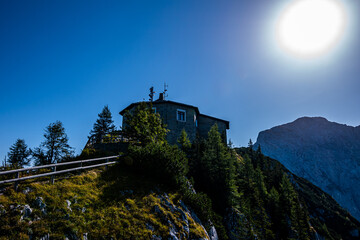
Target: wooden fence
<point>17,179</point>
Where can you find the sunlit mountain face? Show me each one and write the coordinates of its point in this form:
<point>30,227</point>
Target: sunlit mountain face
<point>325,153</point>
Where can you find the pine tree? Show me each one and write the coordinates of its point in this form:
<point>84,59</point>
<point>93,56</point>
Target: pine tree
<point>275,210</point>
<point>250,144</point>
<point>219,168</point>
<point>288,197</point>
<point>55,146</point>
<point>246,183</point>
<point>258,151</point>
<point>103,125</point>
<point>195,166</point>
<point>184,141</point>
<point>293,210</point>
<point>19,154</point>
<point>259,179</point>
<point>39,156</point>
<point>230,144</point>
<point>287,193</point>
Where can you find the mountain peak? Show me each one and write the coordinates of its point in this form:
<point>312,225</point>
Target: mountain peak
<point>325,153</point>
<point>314,119</point>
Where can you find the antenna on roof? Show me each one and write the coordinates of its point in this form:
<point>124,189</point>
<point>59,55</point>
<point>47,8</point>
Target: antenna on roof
<point>151,95</point>
<point>165,90</point>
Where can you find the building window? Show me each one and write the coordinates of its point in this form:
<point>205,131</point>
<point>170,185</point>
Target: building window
<point>195,120</point>
<point>181,115</point>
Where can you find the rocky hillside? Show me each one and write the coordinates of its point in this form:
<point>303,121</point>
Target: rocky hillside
<point>325,153</point>
<point>95,205</point>
<point>121,204</point>
<point>199,190</point>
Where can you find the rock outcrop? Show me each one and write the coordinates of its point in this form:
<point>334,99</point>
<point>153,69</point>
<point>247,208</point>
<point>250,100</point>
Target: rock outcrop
<point>325,153</point>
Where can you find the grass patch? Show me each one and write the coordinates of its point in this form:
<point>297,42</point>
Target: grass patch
<point>116,203</point>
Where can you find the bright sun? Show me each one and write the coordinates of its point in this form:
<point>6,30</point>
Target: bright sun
<point>309,28</point>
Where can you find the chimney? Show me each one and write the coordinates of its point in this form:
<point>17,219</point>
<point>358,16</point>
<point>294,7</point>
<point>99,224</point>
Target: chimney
<point>161,97</point>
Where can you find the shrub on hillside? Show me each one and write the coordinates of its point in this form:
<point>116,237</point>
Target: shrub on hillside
<point>163,161</point>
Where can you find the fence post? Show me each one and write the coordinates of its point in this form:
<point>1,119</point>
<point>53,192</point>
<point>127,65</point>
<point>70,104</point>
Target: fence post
<point>106,167</point>
<point>53,176</point>
<point>16,185</point>
<point>81,165</point>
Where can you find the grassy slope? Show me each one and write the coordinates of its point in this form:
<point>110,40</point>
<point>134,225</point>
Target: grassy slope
<point>112,203</point>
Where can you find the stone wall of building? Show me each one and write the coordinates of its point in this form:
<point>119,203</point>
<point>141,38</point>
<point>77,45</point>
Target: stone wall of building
<point>168,112</point>
<point>195,123</point>
<point>205,123</point>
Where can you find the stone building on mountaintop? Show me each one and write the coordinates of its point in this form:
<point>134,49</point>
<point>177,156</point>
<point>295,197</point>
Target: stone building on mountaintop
<point>178,116</point>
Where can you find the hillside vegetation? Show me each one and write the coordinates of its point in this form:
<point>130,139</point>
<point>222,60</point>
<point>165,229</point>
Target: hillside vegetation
<point>200,190</point>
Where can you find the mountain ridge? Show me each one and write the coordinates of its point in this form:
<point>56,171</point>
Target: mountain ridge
<point>323,152</point>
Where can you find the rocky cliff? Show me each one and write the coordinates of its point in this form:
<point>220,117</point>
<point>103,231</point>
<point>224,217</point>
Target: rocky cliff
<point>325,153</point>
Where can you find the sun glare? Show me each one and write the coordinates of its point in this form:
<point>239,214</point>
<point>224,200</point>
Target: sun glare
<point>310,28</point>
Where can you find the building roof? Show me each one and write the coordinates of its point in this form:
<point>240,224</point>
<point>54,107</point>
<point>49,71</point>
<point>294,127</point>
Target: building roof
<point>158,102</point>
<point>217,119</point>
<point>122,112</point>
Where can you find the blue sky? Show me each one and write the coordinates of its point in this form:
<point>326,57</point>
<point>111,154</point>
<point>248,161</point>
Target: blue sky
<point>65,60</point>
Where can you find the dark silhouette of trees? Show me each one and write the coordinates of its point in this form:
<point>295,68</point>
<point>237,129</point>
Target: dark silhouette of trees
<point>19,154</point>
<point>218,168</point>
<point>103,125</point>
<point>55,147</point>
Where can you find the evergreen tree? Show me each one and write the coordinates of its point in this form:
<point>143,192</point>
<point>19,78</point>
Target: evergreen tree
<point>230,144</point>
<point>258,151</point>
<point>253,195</point>
<point>218,168</point>
<point>259,179</point>
<point>39,156</point>
<point>144,126</point>
<point>103,125</point>
<point>246,184</point>
<point>288,197</point>
<point>294,213</point>
<point>19,154</point>
<point>55,146</point>
<point>275,209</point>
<point>184,141</point>
<point>250,144</point>
<point>287,193</point>
<point>196,151</point>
